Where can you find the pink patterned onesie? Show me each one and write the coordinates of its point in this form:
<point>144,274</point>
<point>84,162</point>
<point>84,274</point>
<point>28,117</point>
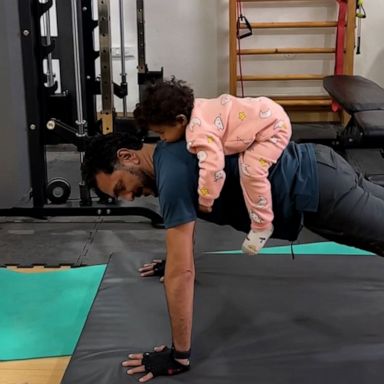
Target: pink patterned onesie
<point>256,128</point>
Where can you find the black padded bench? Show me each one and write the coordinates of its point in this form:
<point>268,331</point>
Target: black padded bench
<point>363,137</point>
<point>355,93</point>
<point>363,99</point>
<point>371,123</point>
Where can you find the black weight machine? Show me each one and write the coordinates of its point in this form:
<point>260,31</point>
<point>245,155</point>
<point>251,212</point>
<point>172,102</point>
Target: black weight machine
<point>361,142</point>
<point>70,116</point>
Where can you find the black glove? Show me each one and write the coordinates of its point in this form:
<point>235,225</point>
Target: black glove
<point>159,269</point>
<point>163,363</point>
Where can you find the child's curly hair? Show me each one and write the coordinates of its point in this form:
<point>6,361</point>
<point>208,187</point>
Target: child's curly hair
<point>162,101</point>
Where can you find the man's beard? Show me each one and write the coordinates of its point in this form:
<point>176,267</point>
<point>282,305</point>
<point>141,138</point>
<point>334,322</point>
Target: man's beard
<point>146,181</point>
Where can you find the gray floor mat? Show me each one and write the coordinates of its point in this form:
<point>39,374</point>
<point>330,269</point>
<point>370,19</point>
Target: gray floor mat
<point>263,319</point>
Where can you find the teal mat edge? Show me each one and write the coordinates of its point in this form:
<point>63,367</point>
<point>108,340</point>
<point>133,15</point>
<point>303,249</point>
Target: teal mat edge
<point>310,249</point>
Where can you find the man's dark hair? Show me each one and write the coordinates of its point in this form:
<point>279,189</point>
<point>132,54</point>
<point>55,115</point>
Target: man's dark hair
<point>162,101</point>
<point>100,154</point>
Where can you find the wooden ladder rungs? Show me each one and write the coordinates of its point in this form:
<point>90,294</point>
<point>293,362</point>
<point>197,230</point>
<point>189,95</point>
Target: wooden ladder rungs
<point>303,101</point>
<point>292,24</point>
<point>279,51</point>
<point>280,77</point>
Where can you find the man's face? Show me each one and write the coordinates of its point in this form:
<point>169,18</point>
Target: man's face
<point>126,183</point>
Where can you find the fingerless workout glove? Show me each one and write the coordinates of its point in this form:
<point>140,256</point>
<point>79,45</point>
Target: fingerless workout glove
<point>159,268</point>
<point>163,363</point>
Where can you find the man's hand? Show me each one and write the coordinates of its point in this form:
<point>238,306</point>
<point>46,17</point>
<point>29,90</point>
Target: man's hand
<point>158,363</point>
<point>156,268</point>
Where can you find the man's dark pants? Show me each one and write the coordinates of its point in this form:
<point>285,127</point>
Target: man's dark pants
<point>351,208</point>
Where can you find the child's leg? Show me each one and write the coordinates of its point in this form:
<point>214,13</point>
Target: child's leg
<point>256,189</point>
<point>258,199</point>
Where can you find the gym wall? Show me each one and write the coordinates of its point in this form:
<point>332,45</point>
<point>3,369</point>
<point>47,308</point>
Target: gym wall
<point>190,40</point>
<point>371,60</point>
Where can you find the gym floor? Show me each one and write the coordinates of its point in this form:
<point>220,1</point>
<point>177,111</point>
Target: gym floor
<point>84,241</point>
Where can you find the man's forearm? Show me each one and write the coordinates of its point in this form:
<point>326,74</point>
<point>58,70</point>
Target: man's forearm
<point>179,281</point>
<point>179,291</point>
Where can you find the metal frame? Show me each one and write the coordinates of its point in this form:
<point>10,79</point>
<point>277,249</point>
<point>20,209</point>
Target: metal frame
<point>143,75</point>
<point>37,96</point>
<point>64,52</point>
<point>106,66</point>
<point>89,57</point>
<point>77,210</point>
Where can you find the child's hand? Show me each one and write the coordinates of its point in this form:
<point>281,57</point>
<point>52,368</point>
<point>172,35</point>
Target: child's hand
<point>203,208</point>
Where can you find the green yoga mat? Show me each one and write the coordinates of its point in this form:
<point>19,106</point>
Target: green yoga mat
<point>324,248</point>
<point>42,314</point>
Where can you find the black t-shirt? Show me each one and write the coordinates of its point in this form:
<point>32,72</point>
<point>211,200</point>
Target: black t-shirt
<point>294,185</point>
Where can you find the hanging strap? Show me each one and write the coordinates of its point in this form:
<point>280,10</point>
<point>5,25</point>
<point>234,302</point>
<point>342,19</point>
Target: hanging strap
<point>340,38</point>
<point>248,31</point>
<point>242,18</point>
<point>360,14</point>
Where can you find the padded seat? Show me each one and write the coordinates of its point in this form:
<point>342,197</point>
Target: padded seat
<point>355,93</point>
<point>371,123</point>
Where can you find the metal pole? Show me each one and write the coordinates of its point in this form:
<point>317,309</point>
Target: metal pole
<point>80,122</point>
<point>106,66</point>
<point>122,50</point>
<point>140,36</point>
<point>33,75</point>
<point>47,27</point>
